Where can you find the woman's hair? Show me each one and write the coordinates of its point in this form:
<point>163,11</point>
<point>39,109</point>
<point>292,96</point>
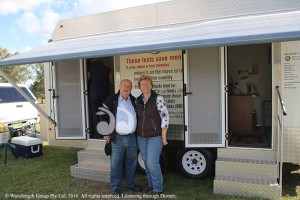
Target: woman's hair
<point>144,77</point>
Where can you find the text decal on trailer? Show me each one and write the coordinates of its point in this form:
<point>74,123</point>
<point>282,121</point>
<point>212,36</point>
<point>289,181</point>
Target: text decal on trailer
<point>165,68</point>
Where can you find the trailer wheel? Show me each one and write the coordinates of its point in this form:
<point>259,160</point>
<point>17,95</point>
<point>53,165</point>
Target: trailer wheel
<point>163,162</point>
<point>194,163</point>
<point>140,163</point>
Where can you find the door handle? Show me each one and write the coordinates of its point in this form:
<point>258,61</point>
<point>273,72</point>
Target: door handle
<point>54,94</point>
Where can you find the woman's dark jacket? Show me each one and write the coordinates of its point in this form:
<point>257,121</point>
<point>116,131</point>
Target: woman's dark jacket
<point>149,120</point>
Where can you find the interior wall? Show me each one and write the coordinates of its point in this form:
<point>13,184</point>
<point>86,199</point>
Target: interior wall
<point>110,62</point>
<point>257,60</point>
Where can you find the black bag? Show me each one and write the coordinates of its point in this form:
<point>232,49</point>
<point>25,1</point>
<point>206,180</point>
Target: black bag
<point>107,149</point>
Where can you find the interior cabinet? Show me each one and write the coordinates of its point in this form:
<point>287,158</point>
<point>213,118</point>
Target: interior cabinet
<point>240,113</point>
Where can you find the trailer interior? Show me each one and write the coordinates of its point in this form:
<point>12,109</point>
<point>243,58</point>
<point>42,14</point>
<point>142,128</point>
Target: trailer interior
<point>249,76</point>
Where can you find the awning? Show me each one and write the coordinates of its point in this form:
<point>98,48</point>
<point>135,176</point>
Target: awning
<point>237,30</point>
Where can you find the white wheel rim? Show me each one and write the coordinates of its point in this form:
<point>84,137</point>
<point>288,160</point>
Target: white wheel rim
<point>140,161</point>
<point>193,162</point>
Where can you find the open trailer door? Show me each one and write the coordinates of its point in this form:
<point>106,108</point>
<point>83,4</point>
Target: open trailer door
<point>204,98</point>
<point>69,107</point>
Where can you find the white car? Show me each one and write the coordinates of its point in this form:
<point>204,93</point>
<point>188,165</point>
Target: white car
<point>14,108</point>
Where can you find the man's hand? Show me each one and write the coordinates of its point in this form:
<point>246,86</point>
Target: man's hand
<point>107,138</point>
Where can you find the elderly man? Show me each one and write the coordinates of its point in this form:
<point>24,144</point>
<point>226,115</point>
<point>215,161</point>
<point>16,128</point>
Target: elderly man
<point>124,146</point>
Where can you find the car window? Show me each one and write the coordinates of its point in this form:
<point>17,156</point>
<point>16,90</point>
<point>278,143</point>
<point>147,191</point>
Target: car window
<point>10,94</point>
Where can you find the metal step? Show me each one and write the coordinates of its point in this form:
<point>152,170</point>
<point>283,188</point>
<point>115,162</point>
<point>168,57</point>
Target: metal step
<point>246,173</point>
<point>103,166</point>
<point>96,144</point>
<point>93,156</point>
<point>92,164</point>
<point>247,168</point>
<point>254,154</point>
<point>90,172</point>
<point>257,188</point>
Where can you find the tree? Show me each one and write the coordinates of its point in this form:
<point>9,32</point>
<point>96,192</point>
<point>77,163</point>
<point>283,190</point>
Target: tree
<point>18,73</point>
<point>23,73</point>
<point>38,86</point>
<point>5,54</point>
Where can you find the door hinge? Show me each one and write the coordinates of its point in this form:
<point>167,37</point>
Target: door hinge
<point>226,88</point>
<point>185,127</point>
<point>226,136</point>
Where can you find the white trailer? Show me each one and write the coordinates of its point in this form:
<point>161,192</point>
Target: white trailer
<point>225,71</point>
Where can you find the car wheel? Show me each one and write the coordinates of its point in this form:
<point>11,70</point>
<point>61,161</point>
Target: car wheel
<point>194,163</point>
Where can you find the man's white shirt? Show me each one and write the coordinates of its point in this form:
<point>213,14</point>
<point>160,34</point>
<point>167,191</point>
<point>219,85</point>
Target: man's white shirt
<point>126,117</point>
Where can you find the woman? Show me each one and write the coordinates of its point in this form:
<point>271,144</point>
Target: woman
<point>153,121</point>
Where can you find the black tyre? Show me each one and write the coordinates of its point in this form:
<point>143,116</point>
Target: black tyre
<point>195,163</point>
<point>163,162</point>
<point>26,155</point>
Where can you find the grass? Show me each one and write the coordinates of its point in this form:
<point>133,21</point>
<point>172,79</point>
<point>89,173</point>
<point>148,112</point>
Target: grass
<point>48,177</point>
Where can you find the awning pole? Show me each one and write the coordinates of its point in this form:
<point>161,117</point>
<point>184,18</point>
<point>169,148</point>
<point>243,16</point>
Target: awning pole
<point>41,111</point>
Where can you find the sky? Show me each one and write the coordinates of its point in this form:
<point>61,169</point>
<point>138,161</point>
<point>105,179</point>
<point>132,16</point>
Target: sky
<point>27,24</point>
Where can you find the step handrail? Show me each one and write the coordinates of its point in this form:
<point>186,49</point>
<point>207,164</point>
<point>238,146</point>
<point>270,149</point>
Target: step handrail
<point>280,126</point>
<point>281,102</point>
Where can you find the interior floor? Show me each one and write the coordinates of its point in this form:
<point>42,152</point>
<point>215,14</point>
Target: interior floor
<point>260,137</point>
